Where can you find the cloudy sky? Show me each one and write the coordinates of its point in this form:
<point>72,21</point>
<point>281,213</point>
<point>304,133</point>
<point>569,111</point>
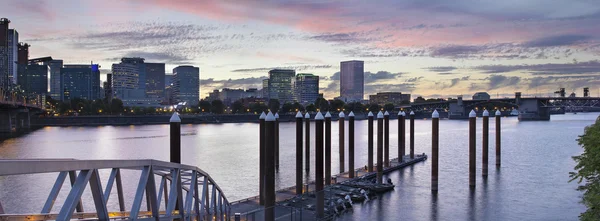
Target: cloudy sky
<point>425,47</point>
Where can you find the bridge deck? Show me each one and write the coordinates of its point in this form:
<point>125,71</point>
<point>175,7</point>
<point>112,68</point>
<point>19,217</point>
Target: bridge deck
<point>250,209</point>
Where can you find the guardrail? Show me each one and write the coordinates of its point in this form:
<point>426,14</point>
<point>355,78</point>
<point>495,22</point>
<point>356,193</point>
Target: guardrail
<point>189,193</point>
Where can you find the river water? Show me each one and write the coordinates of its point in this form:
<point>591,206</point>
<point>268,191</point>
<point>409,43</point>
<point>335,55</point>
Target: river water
<point>531,184</point>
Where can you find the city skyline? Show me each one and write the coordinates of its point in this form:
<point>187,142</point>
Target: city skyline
<point>499,47</point>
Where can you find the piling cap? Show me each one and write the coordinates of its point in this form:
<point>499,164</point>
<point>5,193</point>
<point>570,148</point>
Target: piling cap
<point>319,116</point>
<point>380,114</point>
<point>299,115</point>
<point>486,113</point>
<point>386,113</point>
<point>412,113</point>
<point>435,114</point>
<point>270,117</point>
<point>262,116</point>
<point>498,113</point>
<point>402,114</point>
<point>307,116</point>
<point>175,118</point>
<point>341,114</point>
<point>370,114</point>
<point>472,114</point>
<point>276,115</point>
<point>351,114</point>
<point>327,115</point>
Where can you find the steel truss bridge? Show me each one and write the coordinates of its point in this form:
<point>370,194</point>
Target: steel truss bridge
<point>188,192</point>
<point>546,102</point>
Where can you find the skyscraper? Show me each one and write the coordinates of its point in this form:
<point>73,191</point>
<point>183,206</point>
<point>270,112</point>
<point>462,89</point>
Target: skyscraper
<point>306,88</point>
<point>4,71</point>
<point>280,85</point>
<point>55,68</point>
<point>155,81</point>
<point>265,89</point>
<point>80,81</point>
<point>13,41</point>
<point>186,85</point>
<point>33,78</point>
<point>352,80</point>
<point>108,93</point>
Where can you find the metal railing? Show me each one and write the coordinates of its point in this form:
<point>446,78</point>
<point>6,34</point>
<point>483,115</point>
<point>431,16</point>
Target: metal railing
<point>188,192</point>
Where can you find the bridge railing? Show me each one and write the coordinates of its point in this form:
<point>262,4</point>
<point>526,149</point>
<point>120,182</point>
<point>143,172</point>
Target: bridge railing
<point>188,192</point>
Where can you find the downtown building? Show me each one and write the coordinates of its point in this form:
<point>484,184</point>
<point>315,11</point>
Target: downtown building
<point>4,68</point>
<point>13,53</point>
<point>80,81</point>
<point>306,88</point>
<point>33,74</point>
<point>352,81</point>
<point>137,83</point>
<point>186,85</point>
<point>280,85</point>
<point>383,98</point>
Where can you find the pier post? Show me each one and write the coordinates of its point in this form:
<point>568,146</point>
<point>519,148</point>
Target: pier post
<point>370,143</point>
<point>472,144</point>
<point>341,141</point>
<point>261,158</point>
<point>435,142</point>
<point>299,119</point>
<point>270,167</point>
<point>412,135</point>
<point>498,116</point>
<point>307,142</point>
<point>379,147</point>
<point>485,144</point>
<point>386,139</point>
<point>277,141</point>
<point>401,136</point>
<point>319,165</point>
<point>175,130</point>
<point>351,145</point>
<point>327,148</point>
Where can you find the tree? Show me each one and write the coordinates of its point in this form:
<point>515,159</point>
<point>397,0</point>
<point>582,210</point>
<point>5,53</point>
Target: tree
<point>322,104</point>
<point>588,171</point>
<point>356,107</point>
<point>116,106</point>
<point>297,107</point>
<point>238,107</point>
<point>204,106</point>
<point>337,105</point>
<point>274,105</point>
<point>287,107</point>
<point>258,107</point>
<point>311,108</point>
<point>217,107</point>
<point>374,108</point>
<point>419,100</point>
<point>388,107</point>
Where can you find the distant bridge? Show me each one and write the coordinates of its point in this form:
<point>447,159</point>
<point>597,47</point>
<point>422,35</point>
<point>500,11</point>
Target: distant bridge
<point>15,113</point>
<point>188,192</point>
<point>531,108</point>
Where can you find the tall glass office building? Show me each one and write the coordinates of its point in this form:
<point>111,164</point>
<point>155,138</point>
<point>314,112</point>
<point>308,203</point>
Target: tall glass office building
<point>186,85</point>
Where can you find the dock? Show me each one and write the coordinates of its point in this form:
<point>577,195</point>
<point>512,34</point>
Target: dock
<point>290,206</point>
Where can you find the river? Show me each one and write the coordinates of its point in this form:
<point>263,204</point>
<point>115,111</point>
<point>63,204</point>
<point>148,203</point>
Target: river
<point>531,184</point>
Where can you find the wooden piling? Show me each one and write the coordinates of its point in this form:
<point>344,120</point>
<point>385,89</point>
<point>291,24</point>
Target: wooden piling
<point>307,142</point>
<point>379,147</point>
<point>319,165</point>
<point>341,141</point>
<point>412,135</point>
<point>277,141</point>
<point>370,143</point>
<point>472,146</point>
<point>299,119</point>
<point>270,167</point>
<point>401,136</point>
<point>485,143</point>
<point>498,137</point>
<point>386,139</point>
<point>351,167</point>
<point>261,163</point>
<point>175,135</point>
<point>328,149</point>
<point>435,134</point>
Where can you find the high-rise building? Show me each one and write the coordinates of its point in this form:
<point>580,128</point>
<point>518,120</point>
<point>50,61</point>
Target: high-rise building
<point>155,81</point>
<point>186,85</point>
<point>55,69</point>
<point>129,83</point>
<point>4,71</point>
<point>108,93</point>
<point>280,85</point>
<point>33,78</point>
<point>12,42</point>
<point>265,89</point>
<point>80,81</point>
<point>306,88</point>
<point>352,80</point>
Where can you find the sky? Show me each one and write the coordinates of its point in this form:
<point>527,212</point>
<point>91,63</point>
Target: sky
<point>433,48</point>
